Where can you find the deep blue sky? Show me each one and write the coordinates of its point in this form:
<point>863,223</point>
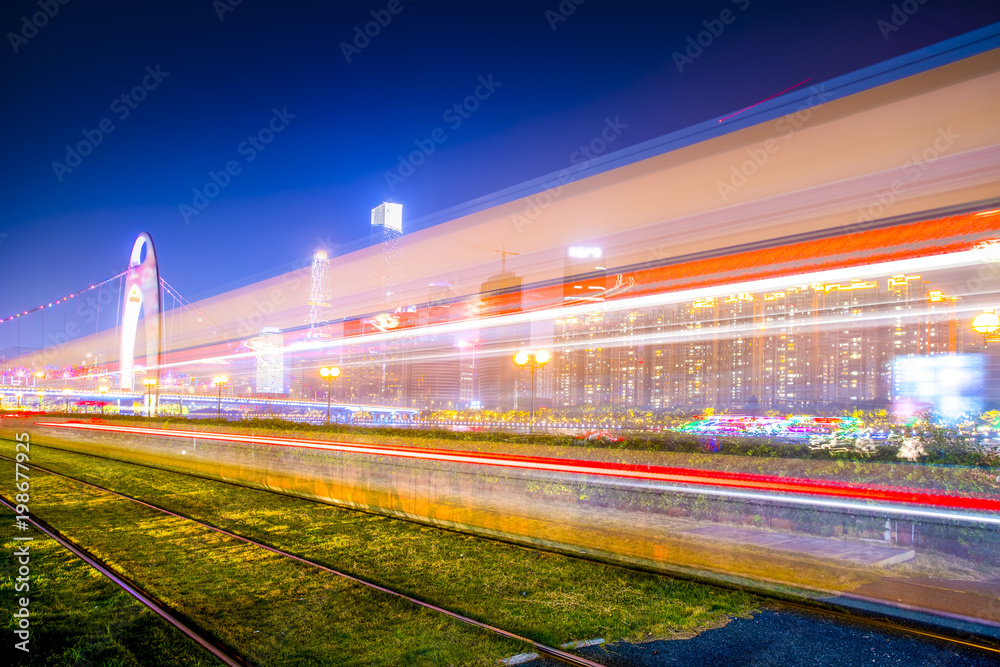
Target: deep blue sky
<point>316,182</point>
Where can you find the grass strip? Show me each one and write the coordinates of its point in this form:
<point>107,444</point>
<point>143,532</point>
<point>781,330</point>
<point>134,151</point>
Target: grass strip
<point>273,610</point>
<point>78,617</point>
<point>548,597</point>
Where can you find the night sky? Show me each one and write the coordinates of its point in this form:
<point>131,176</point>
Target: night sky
<point>211,75</point>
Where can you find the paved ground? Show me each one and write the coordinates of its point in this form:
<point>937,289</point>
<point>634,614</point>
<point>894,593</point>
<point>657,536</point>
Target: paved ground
<point>790,638</point>
<point>975,599</point>
<point>824,547</point>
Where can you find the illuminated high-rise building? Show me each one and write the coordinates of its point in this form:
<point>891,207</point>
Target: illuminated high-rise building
<point>737,351</point>
<point>627,359</point>
<point>496,373</point>
<point>694,376</point>
<point>270,362</point>
<point>850,344</point>
<point>581,362</point>
<point>387,227</point>
<point>320,299</point>
<point>433,363</point>
<point>661,359</point>
<point>468,378</point>
<point>923,322</point>
<point>939,330</point>
<point>905,300</point>
<point>787,352</point>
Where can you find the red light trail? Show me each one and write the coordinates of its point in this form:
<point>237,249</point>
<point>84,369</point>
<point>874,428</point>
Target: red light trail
<point>734,480</point>
<point>766,99</point>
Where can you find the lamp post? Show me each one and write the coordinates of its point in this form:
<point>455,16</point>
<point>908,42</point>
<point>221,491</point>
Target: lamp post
<point>66,393</point>
<point>533,360</point>
<point>218,381</point>
<point>986,323</point>
<point>328,374</point>
<point>18,395</point>
<point>39,401</point>
<point>149,382</point>
<point>103,389</point>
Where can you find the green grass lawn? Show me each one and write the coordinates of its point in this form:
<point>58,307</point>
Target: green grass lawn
<point>78,617</point>
<point>272,610</point>
<point>547,597</point>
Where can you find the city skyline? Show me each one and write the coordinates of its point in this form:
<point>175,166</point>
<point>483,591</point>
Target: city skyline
<point>610,271</point>
<point>737,350</point>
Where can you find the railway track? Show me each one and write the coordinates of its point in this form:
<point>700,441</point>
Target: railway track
<point>224,653</point>
<point>228,656</point>
<point>555,653</point>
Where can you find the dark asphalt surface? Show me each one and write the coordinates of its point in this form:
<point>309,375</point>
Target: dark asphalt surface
<point>790,637</point>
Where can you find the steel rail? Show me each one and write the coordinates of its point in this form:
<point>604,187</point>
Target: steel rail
<point>550,651</point>
<point>826,608</point>
<point>222,653</point>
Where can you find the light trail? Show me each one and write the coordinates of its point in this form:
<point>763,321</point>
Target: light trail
<point>764,100</point>
<point>902,266</point>
<point>907,512</point>
<point>694,477</point>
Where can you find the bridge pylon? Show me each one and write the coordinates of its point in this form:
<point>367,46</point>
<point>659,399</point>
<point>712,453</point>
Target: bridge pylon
<point>141,294</point>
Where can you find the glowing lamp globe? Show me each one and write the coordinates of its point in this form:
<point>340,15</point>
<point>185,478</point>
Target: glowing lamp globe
<point>986,323</point>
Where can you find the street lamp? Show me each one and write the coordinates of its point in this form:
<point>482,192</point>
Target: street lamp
<point>66,393</point>
<point>103,389</point>
<point>533,360</point>
<point>328,374</point>
<point>39,401</point>
<point>18,401</point>
<point>149,382</point>
<point>986,323</point>
<point>218,381</point>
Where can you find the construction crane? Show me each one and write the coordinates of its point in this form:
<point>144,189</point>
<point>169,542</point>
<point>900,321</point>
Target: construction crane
<point>503,254</point>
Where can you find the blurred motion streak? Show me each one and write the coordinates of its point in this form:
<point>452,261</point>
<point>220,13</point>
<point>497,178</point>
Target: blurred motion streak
<point>687,476</point>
